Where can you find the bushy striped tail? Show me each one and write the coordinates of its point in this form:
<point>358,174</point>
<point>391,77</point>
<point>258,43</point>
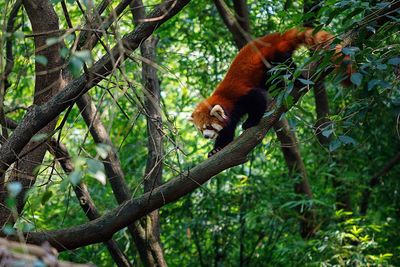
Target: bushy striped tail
<point>322,40</point>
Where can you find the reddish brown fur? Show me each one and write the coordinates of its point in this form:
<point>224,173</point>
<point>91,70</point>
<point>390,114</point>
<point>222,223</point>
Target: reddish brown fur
<point>248,69</point>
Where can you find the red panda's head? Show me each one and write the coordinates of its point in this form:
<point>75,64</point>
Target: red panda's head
<point>209,119</point>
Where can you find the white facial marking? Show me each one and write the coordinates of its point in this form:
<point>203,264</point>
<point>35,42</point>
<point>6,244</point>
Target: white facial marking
<point>204,126</point>
<point>217,127</point>
<point>210,134</point>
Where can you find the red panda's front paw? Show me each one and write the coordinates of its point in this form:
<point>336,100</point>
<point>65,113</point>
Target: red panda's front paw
<point>213,152</point>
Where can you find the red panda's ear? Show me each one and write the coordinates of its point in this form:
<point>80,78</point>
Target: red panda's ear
<point>218,112</point>
<point>190,118</point>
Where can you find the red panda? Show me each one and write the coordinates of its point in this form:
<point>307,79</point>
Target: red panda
<point>243,91</point>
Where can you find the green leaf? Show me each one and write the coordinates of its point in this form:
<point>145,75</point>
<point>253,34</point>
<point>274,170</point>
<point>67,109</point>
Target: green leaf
<point>70,38</point>
<point>19,34</point>
<point>372,83</point>
<point>349,51</point>
<point>353,13</point>
<point>8,229</point>
<point>75,66</point>
<point>327,133</point>
<point>84,55</point>
<point>14,188</point>
<point>99,176</point>
<point>305,82</point>
<point>347,140</point>
<point>103,150</point>
<point>64,52</point>
<point>41,60</point>
<point>334,14</point>
<point>94,165</point>
<point>381,66</point>
<point>394,61</point>
<point>335,144</point>
<point>356,78</point>
<point>75,177</point>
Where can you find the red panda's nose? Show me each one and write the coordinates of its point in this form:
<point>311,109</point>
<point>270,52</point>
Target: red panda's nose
<point>208,136</point>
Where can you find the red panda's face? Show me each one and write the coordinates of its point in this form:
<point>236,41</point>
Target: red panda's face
<point>209,120</point>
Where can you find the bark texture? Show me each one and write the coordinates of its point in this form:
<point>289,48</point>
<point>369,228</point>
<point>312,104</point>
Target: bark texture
<point>47,83</point>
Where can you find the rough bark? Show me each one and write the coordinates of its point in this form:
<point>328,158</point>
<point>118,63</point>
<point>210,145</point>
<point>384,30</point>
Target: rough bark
<point>47,83</point>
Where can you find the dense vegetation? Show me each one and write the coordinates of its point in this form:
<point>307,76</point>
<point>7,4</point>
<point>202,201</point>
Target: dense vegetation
<point>327,197</point>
